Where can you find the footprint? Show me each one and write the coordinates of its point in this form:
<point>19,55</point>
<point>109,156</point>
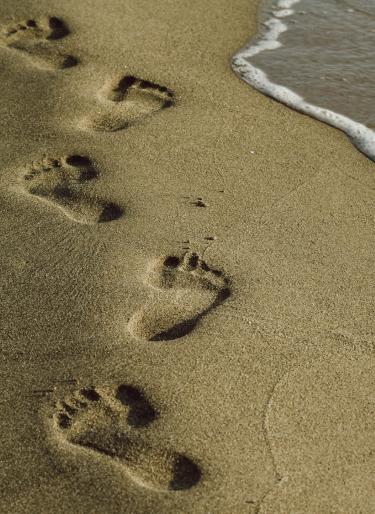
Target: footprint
<point>187,289</point>
<point>35,38</point>
<point>128,101</point>
<point>60,182</point>
<point>108,422</point>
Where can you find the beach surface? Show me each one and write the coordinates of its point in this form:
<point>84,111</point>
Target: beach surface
<point>187,272</point>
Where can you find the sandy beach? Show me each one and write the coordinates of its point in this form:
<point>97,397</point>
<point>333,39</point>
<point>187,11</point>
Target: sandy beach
<point>186,285</point>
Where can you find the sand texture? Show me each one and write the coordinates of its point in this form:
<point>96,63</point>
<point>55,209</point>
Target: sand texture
<point>186,287</point>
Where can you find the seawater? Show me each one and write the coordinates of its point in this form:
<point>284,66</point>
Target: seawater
<point>317,56</point>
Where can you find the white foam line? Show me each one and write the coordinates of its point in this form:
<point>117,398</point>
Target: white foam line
<point>361,136</point>
<point>286,4</point>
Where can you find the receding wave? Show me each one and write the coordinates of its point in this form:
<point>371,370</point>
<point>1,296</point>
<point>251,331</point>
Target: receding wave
<point>317,57</point>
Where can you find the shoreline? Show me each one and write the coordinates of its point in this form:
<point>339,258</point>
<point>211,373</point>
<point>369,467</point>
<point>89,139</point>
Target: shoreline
<point>361,136</point>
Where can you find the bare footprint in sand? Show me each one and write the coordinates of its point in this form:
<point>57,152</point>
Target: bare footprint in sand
<point>35,39</point>
<point>111,423</point>
<point>187,290</point>
<point>60,182</point>
<point>127,101</point>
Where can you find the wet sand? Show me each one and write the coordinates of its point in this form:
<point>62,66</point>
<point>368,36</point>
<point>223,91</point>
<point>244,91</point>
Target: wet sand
<point>187,273</point>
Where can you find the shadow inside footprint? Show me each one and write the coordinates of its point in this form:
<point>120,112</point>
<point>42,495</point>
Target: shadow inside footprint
<point>186,474</point>
<point>119,92</point>
<point>58,28</point>
<point>185,327</point>
<point>110,212</point>
<point>189,289</point>
<point>141,412</point>
<point>177,331</point>
<point>90,394</point>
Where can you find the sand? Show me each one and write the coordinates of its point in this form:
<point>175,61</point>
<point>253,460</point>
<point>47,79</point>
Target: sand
<point>186,273</point>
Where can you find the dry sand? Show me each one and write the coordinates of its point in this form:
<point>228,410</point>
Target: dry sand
<point>187,301</point>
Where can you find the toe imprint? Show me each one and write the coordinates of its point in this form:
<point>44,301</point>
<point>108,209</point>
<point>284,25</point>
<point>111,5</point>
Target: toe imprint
<point>48,27</point>
<point>187,289</point>
<point>111,422</point>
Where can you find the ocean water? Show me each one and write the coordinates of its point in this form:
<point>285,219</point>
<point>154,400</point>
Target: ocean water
<point>317,56</point>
